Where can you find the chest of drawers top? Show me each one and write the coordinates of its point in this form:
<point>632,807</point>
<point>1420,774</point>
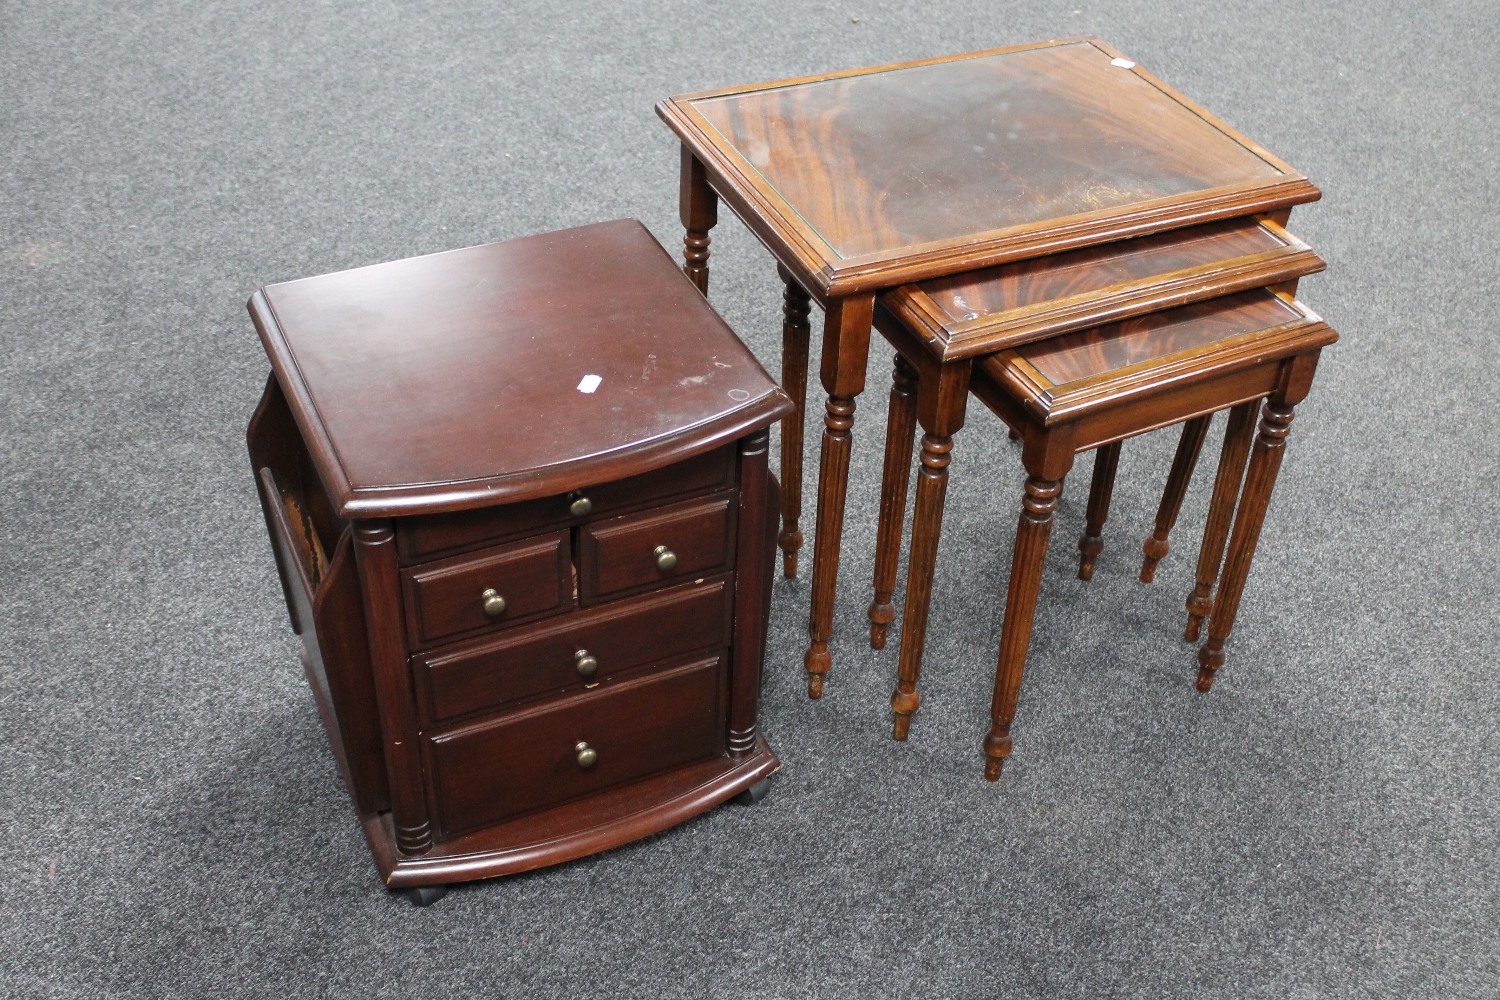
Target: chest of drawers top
<point>521,371</point>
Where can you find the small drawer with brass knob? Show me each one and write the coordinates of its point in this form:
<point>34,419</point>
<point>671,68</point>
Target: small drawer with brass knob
<point>586,755</point>
<point>502,586</point>
<point>626,555</point>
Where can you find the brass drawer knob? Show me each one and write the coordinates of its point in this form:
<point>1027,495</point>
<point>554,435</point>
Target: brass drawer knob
<point>494,604</point>
<point>585,662</point>
<point>586,755</point>
<point>666,559</point>
<point>580,506</point>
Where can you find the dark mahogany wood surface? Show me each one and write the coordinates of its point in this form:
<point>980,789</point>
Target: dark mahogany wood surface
<point>618,556</point>
<point>482,351</point>
<point>636,728</point>
<point>1000,289</point>
<point>988,310</point>
<point>497,670</point>
<point>1087,353</point>
<point>990,156</point>
<point>444,599</point>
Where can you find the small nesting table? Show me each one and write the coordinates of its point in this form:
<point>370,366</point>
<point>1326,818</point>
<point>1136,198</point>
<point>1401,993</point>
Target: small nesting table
<point>1091,389</point>
<point>866,180</point>
<point>519,500</point>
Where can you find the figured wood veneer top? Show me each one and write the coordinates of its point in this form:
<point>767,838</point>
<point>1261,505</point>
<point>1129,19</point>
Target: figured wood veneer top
<point>461,379</point>
<point>1106,365</point>
<point>980,312</point>
<point>1047,142</point>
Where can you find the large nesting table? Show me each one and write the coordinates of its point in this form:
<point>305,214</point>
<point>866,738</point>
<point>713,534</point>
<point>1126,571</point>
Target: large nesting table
<point>874,178</point>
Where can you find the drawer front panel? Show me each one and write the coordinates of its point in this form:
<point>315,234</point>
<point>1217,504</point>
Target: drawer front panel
<point>421,538</point>
<point>627,554</point>
<point>447,599</point>
<point>698,474</point>
<point>542,658</point>
<point>530,760</point>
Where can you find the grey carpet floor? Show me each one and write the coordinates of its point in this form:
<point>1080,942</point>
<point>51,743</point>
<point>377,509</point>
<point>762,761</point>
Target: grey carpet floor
<point>1322,825</point>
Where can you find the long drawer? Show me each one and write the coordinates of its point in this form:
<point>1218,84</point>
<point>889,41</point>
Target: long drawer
<point>569,653</point>
<point>528,760</point>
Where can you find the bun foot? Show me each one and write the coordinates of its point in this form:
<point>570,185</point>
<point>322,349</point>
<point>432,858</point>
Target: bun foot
<point>754,793</point>
<point>1209,662</point>
<point>1089,547</point>
<point>1155,548</point>
<point>997,747</point>
<point>901,728</point>
<point>904,704</point>
<point>425,895</point>
<point>790,542</point>
<point>817,661</point>
<point>881,615</point>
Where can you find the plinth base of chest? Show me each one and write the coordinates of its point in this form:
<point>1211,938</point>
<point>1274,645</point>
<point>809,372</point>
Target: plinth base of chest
<point>551,836</point>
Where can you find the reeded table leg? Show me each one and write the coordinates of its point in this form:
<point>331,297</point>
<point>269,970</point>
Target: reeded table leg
<point>1027,561</point>
<point>795,334</point>
<point>1106,459</point>
<point>1193,433</point>
<point>942,395</point>
<point>1232,458</point>
<point>698,207</point>
<point>1260,480</point>
<point>900,427</point>
<point>846,349</point>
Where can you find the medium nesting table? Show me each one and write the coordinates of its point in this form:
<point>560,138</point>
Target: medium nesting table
<point>867,180</point>
<point>520,505</point>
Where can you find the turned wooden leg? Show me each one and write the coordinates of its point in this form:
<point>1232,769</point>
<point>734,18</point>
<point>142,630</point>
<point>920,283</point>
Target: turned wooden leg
<point>1232,458</point>
<point>1106,459</point>
<point>927,526</point>
<point>698,207</point>
<point>1193,433</point>
<point>1012,434</point>
<point>900,427</point>
<point>846,349</point>
<point>1260,480</point>
<point>1027,561</point>
<point>942,397</point>
<point>795,333</point>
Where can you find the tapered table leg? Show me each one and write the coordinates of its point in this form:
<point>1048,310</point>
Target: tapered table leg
<point>1027,561</point>
<point>795,334</point>
<point>927,525</point>
<point>899,430</point>
<point>942,396</point>
<point>1232,457</point>
<point>1106,459</point>
<point>1260,480</point>
<point>846,349</point>
<point>698,207</point>
<point>1191,442</point>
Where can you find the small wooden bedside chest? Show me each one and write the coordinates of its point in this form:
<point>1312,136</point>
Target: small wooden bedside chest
<point>520,506</point>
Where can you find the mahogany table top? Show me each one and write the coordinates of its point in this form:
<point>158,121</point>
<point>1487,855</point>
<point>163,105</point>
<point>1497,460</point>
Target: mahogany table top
<point>1066,376</point>
<point>507,371</point>
<point>897,173</point>
<point>980,312</point>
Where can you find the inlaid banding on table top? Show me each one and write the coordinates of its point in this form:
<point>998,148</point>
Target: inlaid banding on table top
<point>911,156</point>
<point>980,312</point>
<point>1082,355</point>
